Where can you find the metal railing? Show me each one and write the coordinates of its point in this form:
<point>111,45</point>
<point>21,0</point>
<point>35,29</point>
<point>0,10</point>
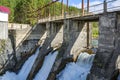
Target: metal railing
<point>112,6</point>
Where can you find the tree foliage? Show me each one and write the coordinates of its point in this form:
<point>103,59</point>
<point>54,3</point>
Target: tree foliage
<point>24,11</point>
<point>95,30</point>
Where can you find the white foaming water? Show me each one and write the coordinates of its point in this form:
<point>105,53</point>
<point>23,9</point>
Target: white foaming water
<point>78,70</point>
<point>46,68</point>
<point>22,75</point>
<point>24,72</point>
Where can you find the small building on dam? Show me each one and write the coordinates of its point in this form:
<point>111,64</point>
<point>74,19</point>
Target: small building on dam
<point>4,13</point>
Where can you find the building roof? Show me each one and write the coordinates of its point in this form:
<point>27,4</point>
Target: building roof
<point>4,9</point>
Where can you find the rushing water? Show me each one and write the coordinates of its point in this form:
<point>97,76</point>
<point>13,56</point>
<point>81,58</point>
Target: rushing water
<point>42,74</point>
<point>46,68</point>
<point>78,70</point>
<point>72,71</point>
<point>22,75</point>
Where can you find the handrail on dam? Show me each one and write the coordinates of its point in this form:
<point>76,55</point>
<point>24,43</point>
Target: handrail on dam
<point>94,9</point>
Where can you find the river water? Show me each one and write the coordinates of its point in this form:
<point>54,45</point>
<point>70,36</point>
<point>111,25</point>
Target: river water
<point>77,70</point>
<point>73,71</point>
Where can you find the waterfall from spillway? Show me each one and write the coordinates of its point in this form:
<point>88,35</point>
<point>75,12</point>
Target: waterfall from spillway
<point>46,68</point>
<point>22,75</point>
<point>42,74</point>
<point>72,71</point>
<point>78,70</point>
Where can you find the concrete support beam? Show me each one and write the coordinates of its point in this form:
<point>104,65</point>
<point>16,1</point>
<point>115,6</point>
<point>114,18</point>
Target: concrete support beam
<point>57,31</point>
<point>89,34</point>
<point>52,40</point>
<point>43,52</point>
<point>48,29</point>
<point>52,28</point>
<point>27,37</point>
<point>78,38</point>
<point>60,62</point>
<point>66,31</point>
<point>74,39</point>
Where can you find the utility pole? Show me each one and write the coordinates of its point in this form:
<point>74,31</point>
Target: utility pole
<point>88,4</point>
<point>62,8</point>
<point>88,27</point>
<point>38,15</point>
<point>53,9</point>
<point>49,12</point>
<point>82,7</point>
<point>67,7</point>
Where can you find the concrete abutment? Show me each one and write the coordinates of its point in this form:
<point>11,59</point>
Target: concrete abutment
<point>108,48</point>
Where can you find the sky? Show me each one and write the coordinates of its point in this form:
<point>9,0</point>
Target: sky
<point>77,3</point>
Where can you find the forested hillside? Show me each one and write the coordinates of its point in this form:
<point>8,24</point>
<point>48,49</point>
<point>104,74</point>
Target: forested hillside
<point>23,11</point>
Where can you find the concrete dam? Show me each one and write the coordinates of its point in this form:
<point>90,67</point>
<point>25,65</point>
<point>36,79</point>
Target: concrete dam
<point>58,49</point>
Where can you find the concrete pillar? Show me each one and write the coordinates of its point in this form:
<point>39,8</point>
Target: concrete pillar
<point>60,62</point>
<point>57,32</point>
<point>66,31</point>
<point>90,35</point>
<point>3,30</point>
<point>108,48</point>
<point>75,37</point>
<point>52,28</point>
<point>78,38</point>
<point>48,29</point>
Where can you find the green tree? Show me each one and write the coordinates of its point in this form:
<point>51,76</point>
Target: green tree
<point>27,11</point>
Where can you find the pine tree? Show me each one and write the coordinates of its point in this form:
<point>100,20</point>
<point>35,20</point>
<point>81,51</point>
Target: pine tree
<point>28,11</point>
